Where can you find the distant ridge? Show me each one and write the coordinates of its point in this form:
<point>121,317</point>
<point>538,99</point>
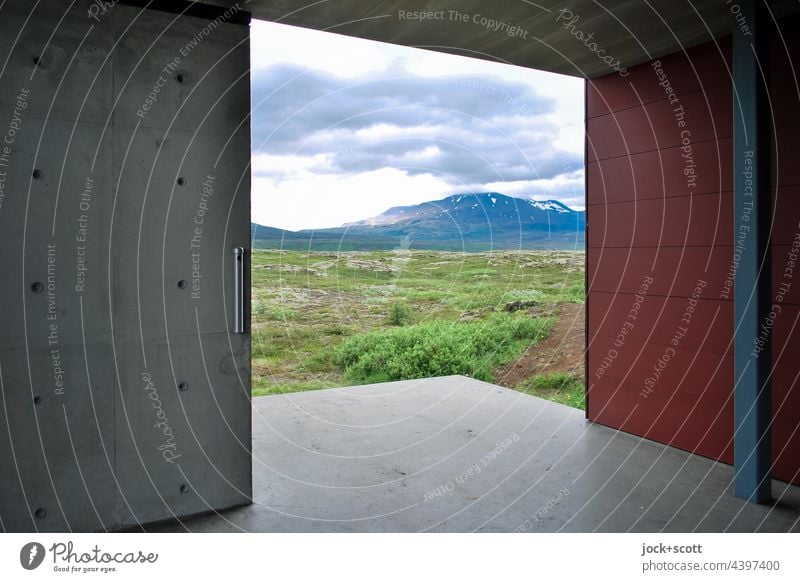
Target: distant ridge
<point>462,222</point>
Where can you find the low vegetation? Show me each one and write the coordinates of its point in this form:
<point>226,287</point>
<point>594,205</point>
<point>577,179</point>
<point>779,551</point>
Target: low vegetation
<point>562,387</point>
<point>439,348</point>
<point>400,313</point>
<point>325,319</point>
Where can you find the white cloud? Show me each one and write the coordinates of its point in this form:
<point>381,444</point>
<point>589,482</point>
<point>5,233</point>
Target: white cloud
<point>326,200</point>
<point>276,164</point>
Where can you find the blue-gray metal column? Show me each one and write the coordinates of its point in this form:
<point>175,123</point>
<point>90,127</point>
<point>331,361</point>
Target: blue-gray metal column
<point>752,287</point>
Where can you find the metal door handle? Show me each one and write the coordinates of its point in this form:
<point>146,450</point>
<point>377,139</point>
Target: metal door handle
<point>238,290</point>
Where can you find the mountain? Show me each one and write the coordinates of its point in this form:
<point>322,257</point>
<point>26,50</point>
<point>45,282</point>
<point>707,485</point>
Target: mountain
<point>471,222</point>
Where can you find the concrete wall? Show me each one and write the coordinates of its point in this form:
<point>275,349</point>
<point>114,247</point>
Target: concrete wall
<point>109,200</point>
<point>660,246</point>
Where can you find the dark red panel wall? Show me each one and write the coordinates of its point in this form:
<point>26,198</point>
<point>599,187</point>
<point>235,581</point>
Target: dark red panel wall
<point>660,243</point>
<point>786,233</point>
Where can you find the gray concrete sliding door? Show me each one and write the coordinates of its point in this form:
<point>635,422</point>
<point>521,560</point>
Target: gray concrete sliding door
<point>124,193</point>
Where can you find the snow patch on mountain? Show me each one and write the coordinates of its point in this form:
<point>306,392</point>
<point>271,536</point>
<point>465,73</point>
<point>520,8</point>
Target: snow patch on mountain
<point>553,205</point>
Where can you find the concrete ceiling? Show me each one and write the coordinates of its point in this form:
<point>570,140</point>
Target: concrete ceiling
<point>627,31</point>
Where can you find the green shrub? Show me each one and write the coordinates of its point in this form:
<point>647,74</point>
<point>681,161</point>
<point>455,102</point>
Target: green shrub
<point>264,310</point>
<point>561,387</point>
<point>426,295</point>
<point>534,295</point>
<point>263,348</point>
<point>439,348</point>
<point>575,293</point>
<point>335,329</point>
<point>473,274</point>
<point>476,296</point>
<point>322,361</point>
<point>399,313</point>
<point>489,295</point>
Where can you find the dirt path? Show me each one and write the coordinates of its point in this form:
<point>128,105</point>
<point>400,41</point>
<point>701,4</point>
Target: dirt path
<point>562,351</point>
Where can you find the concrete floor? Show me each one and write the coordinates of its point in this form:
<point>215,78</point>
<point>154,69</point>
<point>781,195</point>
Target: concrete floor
<point>456,454</point>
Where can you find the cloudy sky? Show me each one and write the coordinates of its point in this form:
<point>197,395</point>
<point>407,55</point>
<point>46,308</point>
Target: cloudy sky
<point>345,128</point>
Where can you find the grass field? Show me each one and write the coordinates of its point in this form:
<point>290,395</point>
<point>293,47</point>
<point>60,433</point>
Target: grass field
<point>332,319</point>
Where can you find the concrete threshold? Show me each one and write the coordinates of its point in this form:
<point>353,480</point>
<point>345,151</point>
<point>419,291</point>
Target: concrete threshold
<point>454,454</point>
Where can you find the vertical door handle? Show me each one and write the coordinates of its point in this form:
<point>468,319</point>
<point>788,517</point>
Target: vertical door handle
<point>238,290</point>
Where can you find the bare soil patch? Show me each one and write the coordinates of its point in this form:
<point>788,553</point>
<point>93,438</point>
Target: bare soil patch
<point>562,351</point>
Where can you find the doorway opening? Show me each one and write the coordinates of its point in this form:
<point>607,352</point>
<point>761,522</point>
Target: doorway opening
<point>415,214</point>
